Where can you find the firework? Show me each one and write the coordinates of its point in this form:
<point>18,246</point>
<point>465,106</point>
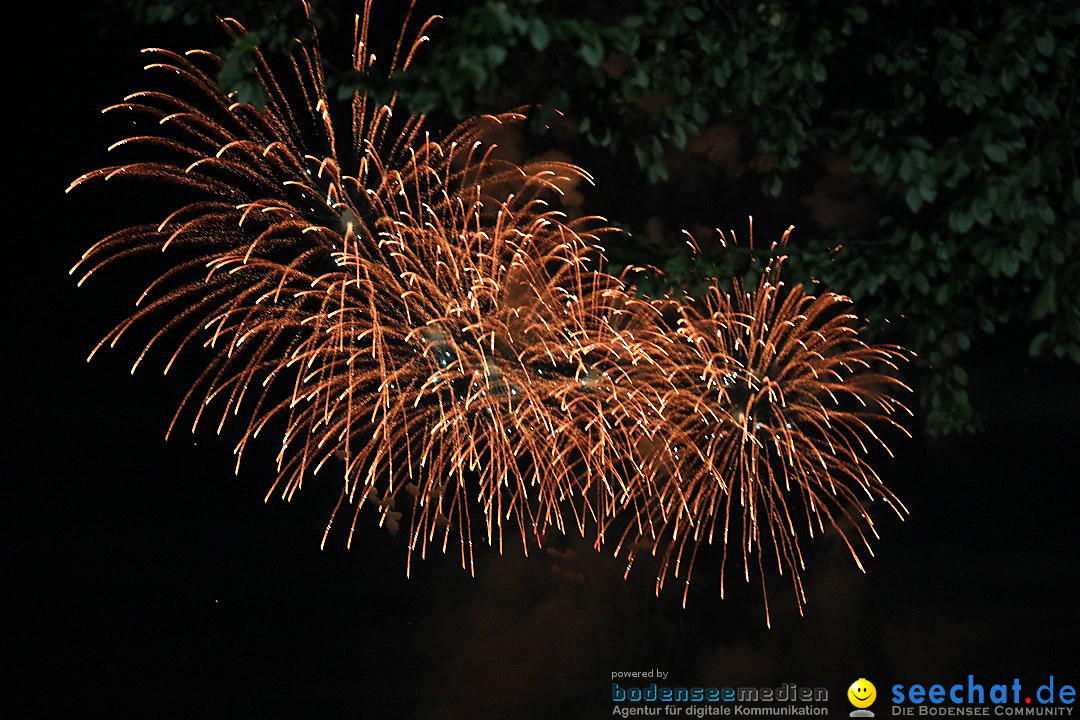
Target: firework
<point>400,320</point>
<point>417,316</point>
<point>772,410</point>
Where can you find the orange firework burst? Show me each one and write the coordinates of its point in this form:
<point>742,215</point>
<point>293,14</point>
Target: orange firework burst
<point>774,400</point>
<point>414,312</point>
<point>436,338</point>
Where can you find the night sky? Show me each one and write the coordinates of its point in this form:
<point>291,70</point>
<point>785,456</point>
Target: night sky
<point>148,577</point>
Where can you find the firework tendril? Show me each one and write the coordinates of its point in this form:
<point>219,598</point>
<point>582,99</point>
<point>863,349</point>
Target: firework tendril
<point>418,317</point>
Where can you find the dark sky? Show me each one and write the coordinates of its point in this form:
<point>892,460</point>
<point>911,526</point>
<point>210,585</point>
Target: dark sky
<point>148,577</point>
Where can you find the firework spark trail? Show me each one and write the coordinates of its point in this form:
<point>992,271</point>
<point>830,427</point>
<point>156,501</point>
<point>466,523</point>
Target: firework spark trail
<point>418,315</point>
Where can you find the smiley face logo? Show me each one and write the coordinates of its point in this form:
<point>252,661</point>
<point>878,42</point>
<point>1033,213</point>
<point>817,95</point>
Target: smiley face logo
<point>862,693</point>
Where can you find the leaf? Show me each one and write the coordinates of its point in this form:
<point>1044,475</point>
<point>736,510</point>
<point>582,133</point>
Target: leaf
<point>982,211</point>
<point>592,53</point>
<point>907,168</point>
<point>423,101</point>
<point>539,35</point>
<point>678,137</point>
<point>773,186</point>
<point>473,70</point>
<point>1045,301</point>
<point>996,153</point>
<point>1045,44</point>
<point>913,198</point>
<point>693,14</point>
<point>159,13</point>
<point>961,221</point>
<point>926,189</point>
<point>1008,261</point>
<point>1037,343</point>
<point>495,20</point>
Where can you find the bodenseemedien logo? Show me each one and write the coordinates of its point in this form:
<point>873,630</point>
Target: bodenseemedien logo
<point>660,699</point>
<point>862,694</point>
